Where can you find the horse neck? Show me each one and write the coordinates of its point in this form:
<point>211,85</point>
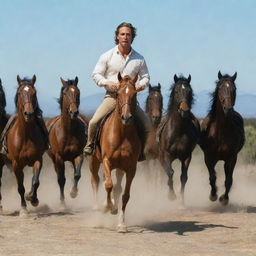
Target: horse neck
<point>3,121</point>
<point>65,118</point>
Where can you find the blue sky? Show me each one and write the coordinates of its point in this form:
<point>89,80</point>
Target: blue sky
<point>53,38</point>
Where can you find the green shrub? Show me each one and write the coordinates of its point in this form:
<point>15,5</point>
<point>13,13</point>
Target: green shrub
<point>249,150</point>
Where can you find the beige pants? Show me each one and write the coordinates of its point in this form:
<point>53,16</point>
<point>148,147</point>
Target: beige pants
<point>108,105</point>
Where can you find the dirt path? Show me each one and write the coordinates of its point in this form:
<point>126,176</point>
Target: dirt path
<point>156,225</point>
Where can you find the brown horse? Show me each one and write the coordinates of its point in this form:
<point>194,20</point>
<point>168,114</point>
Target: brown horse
<point>154,105</point>
<point>119,148</point>
<point>180,132</point>
<point>154,108</point>
<point>67,136</point>
<point>25,140</point>
<point>3,121</point>
<point>222,134</point>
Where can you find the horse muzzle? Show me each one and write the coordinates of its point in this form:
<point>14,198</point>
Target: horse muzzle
<point>227,110</point>
<point>126,119</point>
<point>28,116</point>
<point>73,114</point>
<point>184,109</point>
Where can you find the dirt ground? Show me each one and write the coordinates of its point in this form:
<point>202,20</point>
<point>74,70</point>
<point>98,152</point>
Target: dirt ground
<point>156,225</point>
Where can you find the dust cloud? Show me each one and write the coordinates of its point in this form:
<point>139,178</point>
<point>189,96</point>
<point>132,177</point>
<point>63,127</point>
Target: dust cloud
<point>149,192</point>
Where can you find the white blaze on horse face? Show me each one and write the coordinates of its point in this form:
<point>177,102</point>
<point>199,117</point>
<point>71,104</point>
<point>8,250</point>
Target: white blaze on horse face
<point>72,89</point>
<point>183,87</point>
<point>127,90</point>
<point>26,88</point>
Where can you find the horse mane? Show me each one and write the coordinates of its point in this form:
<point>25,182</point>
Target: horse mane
<point>38,110</point>
<point>2,96</point>
<point>214,94</point>
<point>181,79</point>
<point>60,99</point>
<point>156,89</point>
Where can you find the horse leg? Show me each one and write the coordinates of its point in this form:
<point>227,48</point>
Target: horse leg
<point>212,177</point>
<point>117,189</point>
<point>18,171</point>
<point>108,184</point>
<point>166,162</point>
<point>1,171</point>
<point>184,175</point>
<point>77,164</point>
<point>125,198</point>
<point>60,171</point>
<point>229,168</point>
<point>94,166</point>
<point>32,195</point>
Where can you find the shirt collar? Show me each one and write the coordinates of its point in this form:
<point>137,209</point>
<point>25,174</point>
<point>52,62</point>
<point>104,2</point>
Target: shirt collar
<point>130,53</point>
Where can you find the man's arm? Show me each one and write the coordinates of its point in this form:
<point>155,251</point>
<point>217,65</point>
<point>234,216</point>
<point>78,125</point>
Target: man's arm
<point>143,77</point>
<point>99,71</point>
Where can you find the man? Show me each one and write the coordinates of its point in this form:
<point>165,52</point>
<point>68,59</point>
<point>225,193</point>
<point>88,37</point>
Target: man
<point>122,58</point>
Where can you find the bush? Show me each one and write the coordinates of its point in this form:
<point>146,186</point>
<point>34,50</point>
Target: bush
<point>249,150</point>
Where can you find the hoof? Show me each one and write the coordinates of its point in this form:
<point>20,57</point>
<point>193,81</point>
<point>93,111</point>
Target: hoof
<point>121,228</point>
<point>213,197</point>
<point>171,196</point>
<point>73,193</point>
<point>28,197</point>
<point>35,202</point>
<point>23,212</point>
<point>223,200</point>
<point>114,211</point>
<point>63,206</point>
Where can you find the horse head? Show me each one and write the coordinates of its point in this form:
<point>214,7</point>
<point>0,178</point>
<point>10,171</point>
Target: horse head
<point>181,95</point>
<point>25,99</point>
<point>226,91</point>
<point>154,104</point>
<point>70,97</point>
<point>126,98</point>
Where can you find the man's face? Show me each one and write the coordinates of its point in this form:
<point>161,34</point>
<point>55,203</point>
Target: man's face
<point>124,36</point>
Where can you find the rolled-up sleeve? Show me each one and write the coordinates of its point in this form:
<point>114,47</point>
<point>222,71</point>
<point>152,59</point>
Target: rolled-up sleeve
<point>143,75</point>
<point>99,71</point>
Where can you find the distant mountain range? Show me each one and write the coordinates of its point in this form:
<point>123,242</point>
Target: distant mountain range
<point>245,104</point>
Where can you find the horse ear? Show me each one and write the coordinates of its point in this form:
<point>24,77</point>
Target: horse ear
<point>0,81</point>
<point>135,79</point>
<point>175,78</point>
<point>76,80</point>
<point>234,77</point>
<point>219,75</point>
<point>33,79</point>
<point>149,87</point>
<point>18,79</point>
<point>63,81</point>
<point>119,77</point>
<point>189,78</point>
<point>159,86</point>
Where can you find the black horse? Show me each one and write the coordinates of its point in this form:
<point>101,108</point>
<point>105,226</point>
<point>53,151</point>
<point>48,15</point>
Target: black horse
<point>179,132</point>
<point>3,120</point>
<point>222,134</point>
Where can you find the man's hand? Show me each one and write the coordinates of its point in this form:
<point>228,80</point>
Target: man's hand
<point>112,86</point>
<point>139,87</point>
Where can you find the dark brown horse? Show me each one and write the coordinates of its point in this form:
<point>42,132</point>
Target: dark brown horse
<point>3,120</point>
<point>180,132</point>
<point>222,134</point>
<point>154,108</point>
<point>119,148</point>
<point>67,136</point>
<point>25,140</point>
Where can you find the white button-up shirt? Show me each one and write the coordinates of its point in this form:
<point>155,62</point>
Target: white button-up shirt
<point>112,62</point>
